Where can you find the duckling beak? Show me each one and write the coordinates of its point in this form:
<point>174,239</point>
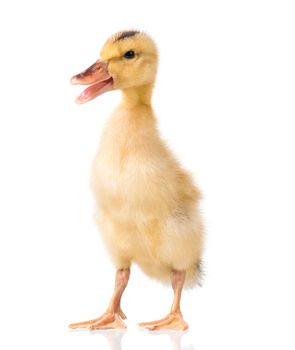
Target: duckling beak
<point>99,79</point>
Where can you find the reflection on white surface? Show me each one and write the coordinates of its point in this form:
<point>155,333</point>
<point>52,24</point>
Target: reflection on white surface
<point>175,339</point>
<point>114,339</point>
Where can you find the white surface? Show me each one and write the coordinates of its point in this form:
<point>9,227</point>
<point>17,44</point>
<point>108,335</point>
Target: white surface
<point>225,101</point>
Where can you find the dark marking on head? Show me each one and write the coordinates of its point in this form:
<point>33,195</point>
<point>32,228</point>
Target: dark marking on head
<point>127,34</point>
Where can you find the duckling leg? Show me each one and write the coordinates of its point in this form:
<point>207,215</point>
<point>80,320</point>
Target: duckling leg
<point>113,317</point>
<point>174,320</point>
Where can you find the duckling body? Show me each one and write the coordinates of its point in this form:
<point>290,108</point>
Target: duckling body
<point>146,203</point>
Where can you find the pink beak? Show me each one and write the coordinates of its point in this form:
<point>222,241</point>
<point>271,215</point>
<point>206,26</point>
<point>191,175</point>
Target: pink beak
<point>99,79</point>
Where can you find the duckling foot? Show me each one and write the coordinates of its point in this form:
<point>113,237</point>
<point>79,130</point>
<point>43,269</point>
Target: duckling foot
<point>114,316</point>
<point>107,321</point>
<point>173,321</point>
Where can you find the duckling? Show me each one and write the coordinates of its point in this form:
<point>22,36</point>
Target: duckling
<point>147,206</point>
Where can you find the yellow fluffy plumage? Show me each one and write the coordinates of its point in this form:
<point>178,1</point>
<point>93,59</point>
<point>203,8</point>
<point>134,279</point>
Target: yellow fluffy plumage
<point>147,204</point>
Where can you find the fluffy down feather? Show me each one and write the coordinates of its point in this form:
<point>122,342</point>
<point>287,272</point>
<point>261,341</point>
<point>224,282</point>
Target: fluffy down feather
<point>147,204</point>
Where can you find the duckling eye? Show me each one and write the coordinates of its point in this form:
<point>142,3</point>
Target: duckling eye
<point>129,55</point>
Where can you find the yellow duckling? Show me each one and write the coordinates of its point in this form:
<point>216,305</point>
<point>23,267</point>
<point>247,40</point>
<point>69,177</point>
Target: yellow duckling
<point>147,204</point>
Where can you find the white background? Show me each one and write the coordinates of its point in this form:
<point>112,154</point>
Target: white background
<point>225,102</point>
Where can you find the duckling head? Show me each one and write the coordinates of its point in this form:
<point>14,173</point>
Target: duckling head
<point>127,60</point>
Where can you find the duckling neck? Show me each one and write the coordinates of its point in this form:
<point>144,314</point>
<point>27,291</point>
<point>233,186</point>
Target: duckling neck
<point>139,95</point>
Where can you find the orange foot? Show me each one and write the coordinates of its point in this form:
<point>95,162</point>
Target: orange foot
<point>107,321</point>
<point>173,321</point>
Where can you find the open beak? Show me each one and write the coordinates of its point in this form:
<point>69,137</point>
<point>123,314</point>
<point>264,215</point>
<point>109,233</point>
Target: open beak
<point>99,79</point>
